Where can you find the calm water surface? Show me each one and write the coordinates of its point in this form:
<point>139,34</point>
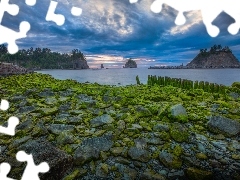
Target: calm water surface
<point>128,76</point>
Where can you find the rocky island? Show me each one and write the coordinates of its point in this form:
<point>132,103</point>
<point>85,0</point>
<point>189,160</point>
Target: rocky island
<point>130,64</point>
<point>216,57</point>
<point>163,130</point>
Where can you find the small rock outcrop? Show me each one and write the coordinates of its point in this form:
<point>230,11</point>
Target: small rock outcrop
<point>130,64</point>
<point>11,69</point>
<point>216,57</point>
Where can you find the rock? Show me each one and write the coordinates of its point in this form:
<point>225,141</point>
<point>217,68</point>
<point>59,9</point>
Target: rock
<point>26,109</point>
<point>179,113</point>
<point>140,143</point>
<point>179,132</point>
<point>139,154</point>
<point>176,175</point>
<point>102,170</point>
<point>220,145</point>
<point>196,174</point>
<point>214,59</point>
<point>42,151</point>
<point>155,141</point>
<point>143,112</point>
<point>101,120</point>
<point>201,156</point>
<point>169,160</point>
<point>161,127</point>
<point>130,64</point>
<point>59,128</point>
<point>122,160</point>
<point>149,175</point>
<point>65,138</point>
<point>116,150</point>
<point>226,126</point>
<point>91,147</point>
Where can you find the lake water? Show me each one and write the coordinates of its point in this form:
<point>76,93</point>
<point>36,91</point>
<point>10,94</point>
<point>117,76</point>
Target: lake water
<point>128,76</point>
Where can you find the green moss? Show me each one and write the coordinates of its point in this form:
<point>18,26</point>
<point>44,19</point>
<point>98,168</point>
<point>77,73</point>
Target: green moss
<point>178,150</point>
<point>179,132</point>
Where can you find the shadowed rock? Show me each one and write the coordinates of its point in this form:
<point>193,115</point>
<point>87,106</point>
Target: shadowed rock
<point>228,127</point>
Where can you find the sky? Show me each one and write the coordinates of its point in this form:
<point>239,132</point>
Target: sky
<point>111,31</point>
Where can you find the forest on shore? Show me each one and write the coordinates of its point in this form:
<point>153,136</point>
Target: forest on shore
<point>41,58</point>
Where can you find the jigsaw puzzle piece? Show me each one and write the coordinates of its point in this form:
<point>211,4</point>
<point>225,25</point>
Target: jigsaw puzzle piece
<point>9,36</point>
<point>208,16</point>
<point>4,170</point>
<point>75,11</point>
<point>133,1</point>
<point>231,7</point>
<point>12,123</point>
<point>31,171</point>
<point>30,2</point>
<point>4,105</point>
<point>12,9</point>
<point>51,16</point>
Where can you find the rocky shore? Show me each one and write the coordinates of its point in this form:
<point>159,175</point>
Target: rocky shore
<point>7,69</point>
<point>92,131</point>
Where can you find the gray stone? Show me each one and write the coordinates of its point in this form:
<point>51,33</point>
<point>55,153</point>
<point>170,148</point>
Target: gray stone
<point>228,127</point>
<point>178,110</point>
<point>59,128</point>
<point>91,147</point>
<point>101,120</point>
<point>169,160</point>
<point>139,154</point>
<point>161,127</point>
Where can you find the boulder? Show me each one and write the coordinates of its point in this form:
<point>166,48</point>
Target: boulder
<point>139,154</point>
<point>101,120</point>
<point>169,160</point>
<point>90,149</point>
<point>178,112</point>
<point>226,126</point>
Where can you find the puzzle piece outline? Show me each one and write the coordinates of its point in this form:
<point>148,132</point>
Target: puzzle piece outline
<point>30,172</point>
<point>209,10</point>
<point>12,121</point>
<point>7,35</point>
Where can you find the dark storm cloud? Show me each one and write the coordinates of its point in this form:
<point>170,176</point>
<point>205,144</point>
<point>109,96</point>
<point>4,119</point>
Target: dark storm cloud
<point>116,27</point>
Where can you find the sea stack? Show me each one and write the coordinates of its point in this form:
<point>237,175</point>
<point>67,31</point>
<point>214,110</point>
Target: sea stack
<point>216,57</point>
<point>130,64</point>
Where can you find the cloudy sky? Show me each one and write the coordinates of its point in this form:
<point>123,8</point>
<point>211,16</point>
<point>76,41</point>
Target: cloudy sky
<point>109,31</point>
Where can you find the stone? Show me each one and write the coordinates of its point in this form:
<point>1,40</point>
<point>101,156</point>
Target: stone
<point>150,175</point>
<point>101,120</point>
<point>179,112</point>
<point>169,160</point>
<point>139,154</point>
<point>226,126</point>
<point>59,128</point>
<point>90,149</point>
<point>59,162</point>
<point>161,127</point>
<point>197,174</point>
<point>179,132</point>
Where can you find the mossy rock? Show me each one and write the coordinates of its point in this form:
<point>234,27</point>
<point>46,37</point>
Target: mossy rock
<point>169,160</point>
<point>197,174</point>
<point>179,132</point>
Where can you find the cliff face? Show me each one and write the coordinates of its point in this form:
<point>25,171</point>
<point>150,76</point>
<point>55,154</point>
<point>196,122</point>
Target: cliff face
<point>219,59</point>
<point>130,64</point>
<point>80,64</point>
